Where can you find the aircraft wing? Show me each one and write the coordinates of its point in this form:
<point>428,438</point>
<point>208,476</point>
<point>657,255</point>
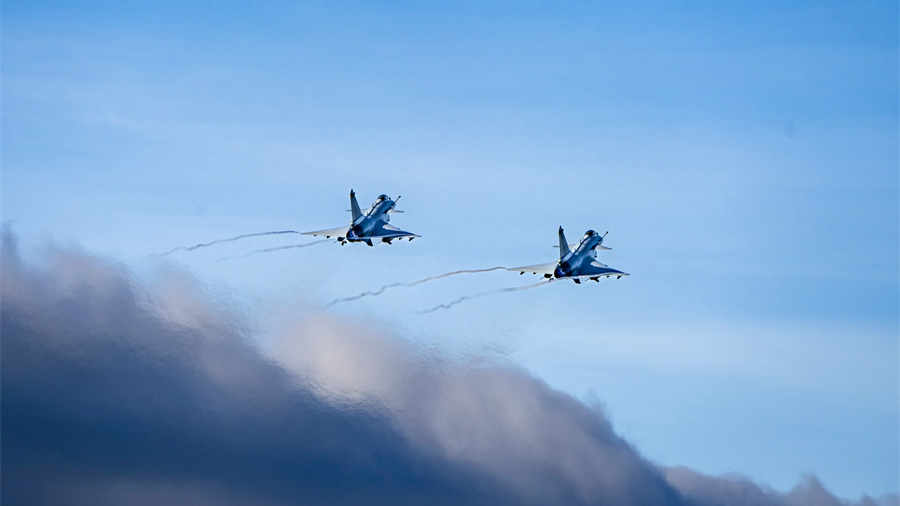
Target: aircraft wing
<point>596,270</point>
<point>547,268</point>
<point>332,232</point>
<point>386,231</point>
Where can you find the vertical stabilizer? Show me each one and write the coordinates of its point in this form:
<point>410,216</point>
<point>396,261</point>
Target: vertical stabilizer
<point>354,206</point>
<point>563,245</point>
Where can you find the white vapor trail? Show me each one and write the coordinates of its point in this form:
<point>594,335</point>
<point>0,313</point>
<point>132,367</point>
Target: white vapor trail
<point>407,285</point>
<point>482,294</point>
<point>230,239</point>
<point>269,250</point>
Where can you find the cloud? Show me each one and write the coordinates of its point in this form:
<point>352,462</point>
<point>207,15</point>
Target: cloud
<point>738,491</point>
<point>116,392</point>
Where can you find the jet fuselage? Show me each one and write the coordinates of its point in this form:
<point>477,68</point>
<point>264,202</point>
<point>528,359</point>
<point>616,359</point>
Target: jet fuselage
<point>366,223</point>
<point>571,263</point>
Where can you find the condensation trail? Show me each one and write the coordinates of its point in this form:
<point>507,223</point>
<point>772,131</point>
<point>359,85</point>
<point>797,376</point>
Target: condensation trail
<point>203,245</point>
<point>407,285</point>
<point>482,294</point>
<point>279,248</point>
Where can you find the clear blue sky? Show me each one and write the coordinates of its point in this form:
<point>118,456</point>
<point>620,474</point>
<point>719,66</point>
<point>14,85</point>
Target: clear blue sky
<point>743,156</point>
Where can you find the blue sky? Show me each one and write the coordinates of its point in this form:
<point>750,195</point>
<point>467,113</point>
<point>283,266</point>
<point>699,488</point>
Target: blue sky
<point>743,158</point>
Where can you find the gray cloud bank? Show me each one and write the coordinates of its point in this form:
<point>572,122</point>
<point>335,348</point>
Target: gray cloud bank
<point>114,392</point>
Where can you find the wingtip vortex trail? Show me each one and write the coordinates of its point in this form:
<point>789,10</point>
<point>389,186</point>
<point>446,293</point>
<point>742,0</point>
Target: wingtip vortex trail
<point>219,241</point>
<point>269,250</point>
<point>481,294</point>
<point>408,285</point>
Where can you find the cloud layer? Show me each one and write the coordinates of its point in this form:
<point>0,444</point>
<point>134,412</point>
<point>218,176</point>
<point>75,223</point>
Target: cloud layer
<point>119,393</point>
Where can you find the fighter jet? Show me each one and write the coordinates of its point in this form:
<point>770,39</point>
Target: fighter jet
<point>578,263</point>
<point>369,227</point>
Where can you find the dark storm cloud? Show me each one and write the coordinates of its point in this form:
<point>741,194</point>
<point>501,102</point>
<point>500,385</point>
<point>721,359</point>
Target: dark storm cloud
<point>118,393</point>
<point>109,394</point>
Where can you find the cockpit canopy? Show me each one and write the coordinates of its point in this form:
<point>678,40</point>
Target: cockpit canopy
<point>383,197</point>
<point>590,233</point>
